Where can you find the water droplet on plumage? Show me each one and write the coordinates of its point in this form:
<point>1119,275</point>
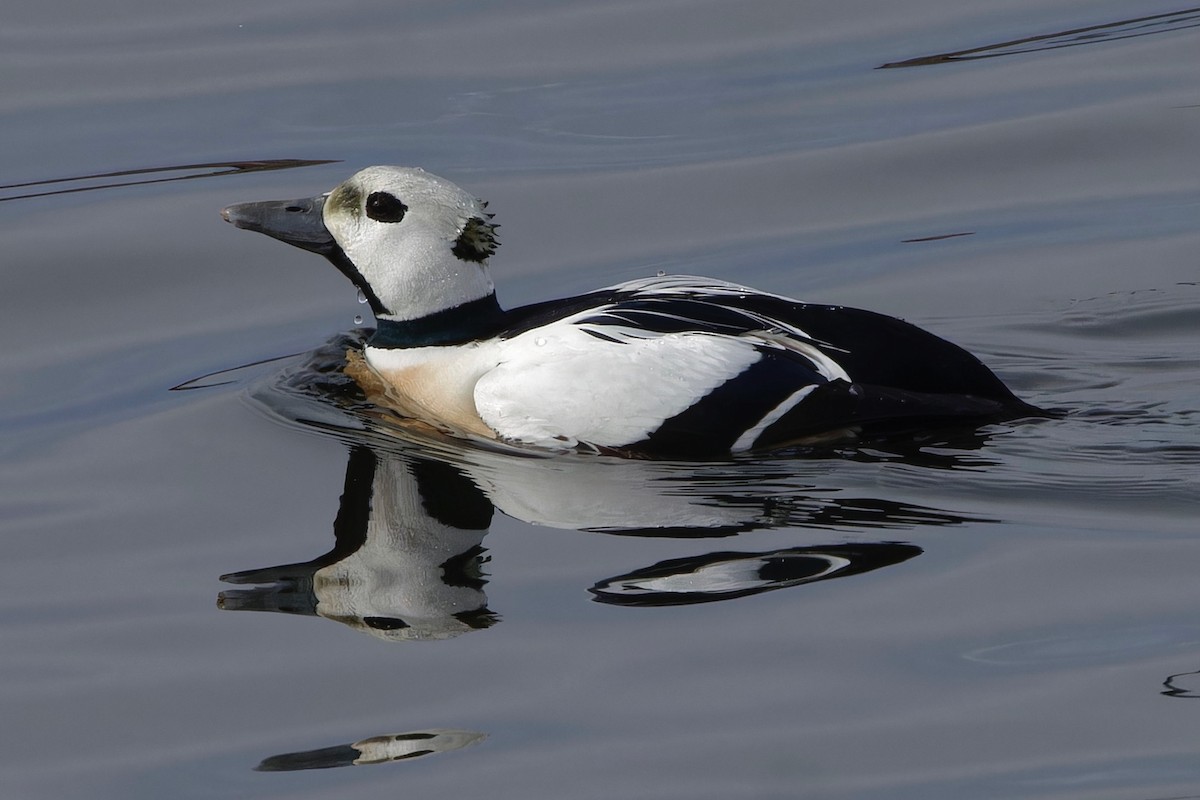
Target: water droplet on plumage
<point>540,341</point>
<point>362,296</point>
<point>358,319</point>
<point>662,273</point>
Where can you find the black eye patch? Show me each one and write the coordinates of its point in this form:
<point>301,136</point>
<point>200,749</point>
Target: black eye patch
<point>384,207</point>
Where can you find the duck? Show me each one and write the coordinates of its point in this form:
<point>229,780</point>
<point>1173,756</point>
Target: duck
<point>661,366</point>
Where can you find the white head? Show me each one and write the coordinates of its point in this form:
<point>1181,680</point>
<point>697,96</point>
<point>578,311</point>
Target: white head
<point>414,243</point>
<point>420,241</point>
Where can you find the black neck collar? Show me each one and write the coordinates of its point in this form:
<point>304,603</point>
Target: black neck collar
<point>472,321</point>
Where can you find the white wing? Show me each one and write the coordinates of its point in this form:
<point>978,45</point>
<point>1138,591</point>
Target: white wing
<point>557,386</point>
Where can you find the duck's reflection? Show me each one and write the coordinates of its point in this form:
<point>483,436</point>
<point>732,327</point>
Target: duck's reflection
<point>407,560</point>
<point>374,750</point>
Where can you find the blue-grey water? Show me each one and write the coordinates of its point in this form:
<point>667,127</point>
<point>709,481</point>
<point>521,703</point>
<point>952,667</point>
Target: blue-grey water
<point>213,591</point>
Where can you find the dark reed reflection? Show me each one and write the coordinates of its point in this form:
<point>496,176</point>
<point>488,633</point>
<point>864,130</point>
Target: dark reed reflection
<point>1091,34</point>
<point>1185,685</point>
<point>383,749</point>
<point>140,177</point>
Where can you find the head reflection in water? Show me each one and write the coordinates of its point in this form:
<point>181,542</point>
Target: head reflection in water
<point>407,562</point>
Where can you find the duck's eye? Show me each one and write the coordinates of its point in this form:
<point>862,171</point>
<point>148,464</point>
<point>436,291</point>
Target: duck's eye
<point>384,207</point>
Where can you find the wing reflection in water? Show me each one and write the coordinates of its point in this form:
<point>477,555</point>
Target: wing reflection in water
<point>723,576</point>
<point>374,750</point>
<point>407,562</point>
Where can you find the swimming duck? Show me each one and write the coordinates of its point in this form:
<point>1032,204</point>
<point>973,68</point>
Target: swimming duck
<point>663,366</point>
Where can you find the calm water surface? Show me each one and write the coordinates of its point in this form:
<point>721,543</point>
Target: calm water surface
<point>255,587</point>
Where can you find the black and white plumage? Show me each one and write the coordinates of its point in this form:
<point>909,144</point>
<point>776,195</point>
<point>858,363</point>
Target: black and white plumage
<point>672,366</point>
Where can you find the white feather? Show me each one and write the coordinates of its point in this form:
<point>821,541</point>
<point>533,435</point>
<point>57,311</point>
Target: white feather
<point>557,386</point>
<point>747,439</point>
